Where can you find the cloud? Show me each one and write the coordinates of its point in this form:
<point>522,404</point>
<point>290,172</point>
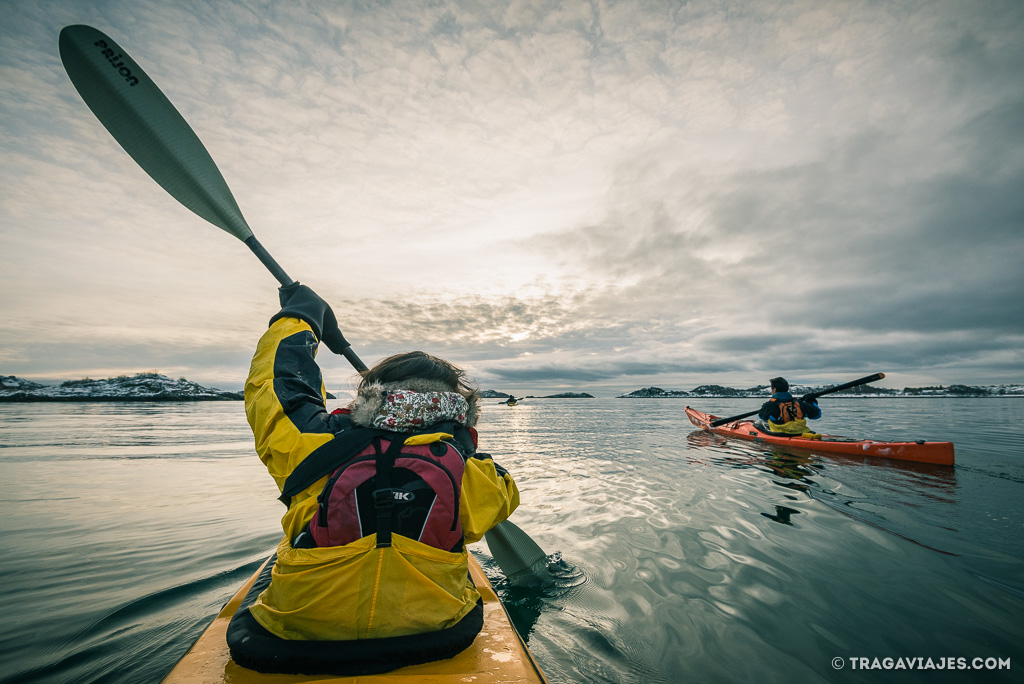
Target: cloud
<point>602,193</point>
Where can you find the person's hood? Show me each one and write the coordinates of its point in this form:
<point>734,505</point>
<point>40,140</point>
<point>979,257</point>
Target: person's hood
<point>412,404</point>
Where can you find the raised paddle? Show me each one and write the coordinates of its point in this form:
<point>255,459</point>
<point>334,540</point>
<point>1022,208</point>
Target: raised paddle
<point>838,388</point>
<point>149,128</point>
<point>141,118</point>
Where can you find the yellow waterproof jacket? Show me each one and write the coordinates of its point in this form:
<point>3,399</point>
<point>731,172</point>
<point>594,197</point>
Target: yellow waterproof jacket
<point>356,591</point>
<point>793,427</point>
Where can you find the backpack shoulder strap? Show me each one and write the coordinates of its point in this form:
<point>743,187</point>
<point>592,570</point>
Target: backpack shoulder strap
<point>461,436</point>
<point>326,458</point>
<point>349,442</point>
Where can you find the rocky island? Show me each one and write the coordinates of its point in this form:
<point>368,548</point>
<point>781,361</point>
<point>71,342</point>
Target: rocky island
<point>763,391</point>
<point>494,394</point>
<point>141,387</point>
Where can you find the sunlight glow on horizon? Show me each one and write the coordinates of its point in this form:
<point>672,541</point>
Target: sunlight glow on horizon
<point>552,194</point>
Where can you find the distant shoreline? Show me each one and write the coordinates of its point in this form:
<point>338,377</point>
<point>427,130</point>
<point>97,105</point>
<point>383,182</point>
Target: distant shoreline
<point>763,392</point>
<point>42,398</point>
<point>154,387</point>
<point>82,399</point>
<point>140,387</point>
<point>847,396</point>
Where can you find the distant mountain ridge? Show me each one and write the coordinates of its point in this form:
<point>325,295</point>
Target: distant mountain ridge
<point>156,387</point>
<point>140,387</point>
<point>763,391</point>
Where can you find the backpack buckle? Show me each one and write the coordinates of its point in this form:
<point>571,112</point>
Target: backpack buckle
<point>384,500</point>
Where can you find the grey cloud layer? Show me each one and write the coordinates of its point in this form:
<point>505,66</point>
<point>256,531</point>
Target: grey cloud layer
<point>553,192</point>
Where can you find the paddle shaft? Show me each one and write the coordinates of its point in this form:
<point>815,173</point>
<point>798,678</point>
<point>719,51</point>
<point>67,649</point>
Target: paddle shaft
<point>838,388</point>
<point>264,256</point>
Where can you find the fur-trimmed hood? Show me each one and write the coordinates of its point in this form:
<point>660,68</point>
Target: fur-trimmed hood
<point>369,403</point>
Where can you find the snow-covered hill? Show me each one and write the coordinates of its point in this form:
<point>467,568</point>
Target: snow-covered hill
<point>141,387</point>
<point>718,391</point>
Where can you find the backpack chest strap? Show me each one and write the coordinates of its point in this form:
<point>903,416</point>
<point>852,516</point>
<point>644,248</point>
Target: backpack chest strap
<point>384,495</point>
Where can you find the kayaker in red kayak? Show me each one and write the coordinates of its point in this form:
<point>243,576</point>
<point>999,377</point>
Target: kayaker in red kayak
<point>372,572</point>
<point>784,414</point>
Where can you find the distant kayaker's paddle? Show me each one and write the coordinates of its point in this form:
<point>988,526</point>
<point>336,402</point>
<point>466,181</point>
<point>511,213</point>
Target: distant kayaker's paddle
<point>830,390</point>
<point>149,128</point>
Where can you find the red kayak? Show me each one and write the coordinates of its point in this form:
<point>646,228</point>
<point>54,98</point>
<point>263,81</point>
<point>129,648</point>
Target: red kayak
<point>938,453</point>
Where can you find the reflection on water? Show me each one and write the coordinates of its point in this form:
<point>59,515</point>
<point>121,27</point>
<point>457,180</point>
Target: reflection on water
<point>677,555</point>
<point>710,559</point>
<point>912,485</point>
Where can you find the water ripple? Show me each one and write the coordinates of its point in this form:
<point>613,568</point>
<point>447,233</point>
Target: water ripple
<point>676,555</point>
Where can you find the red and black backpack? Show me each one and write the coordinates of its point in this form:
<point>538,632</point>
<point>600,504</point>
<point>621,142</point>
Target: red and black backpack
<point>379,483</point>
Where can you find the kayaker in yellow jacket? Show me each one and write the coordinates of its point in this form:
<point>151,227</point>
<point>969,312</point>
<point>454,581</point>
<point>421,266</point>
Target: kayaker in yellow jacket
<point>785,414</point>
<point>363,591</point>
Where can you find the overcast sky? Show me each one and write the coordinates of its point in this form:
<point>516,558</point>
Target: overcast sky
<point>592,196</point>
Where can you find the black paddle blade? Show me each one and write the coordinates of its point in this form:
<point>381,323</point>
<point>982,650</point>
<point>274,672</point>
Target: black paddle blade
<point>148,127</point>
<point>519,557</point>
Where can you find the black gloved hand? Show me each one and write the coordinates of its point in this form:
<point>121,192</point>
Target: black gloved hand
<point>810,399</point>
<point>299,301</point>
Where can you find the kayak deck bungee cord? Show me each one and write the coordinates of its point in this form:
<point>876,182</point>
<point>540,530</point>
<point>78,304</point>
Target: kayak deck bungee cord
<point>919,451</point>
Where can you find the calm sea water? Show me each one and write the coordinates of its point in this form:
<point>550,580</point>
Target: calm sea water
<point>679,556</point>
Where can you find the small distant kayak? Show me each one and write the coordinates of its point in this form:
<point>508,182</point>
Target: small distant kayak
<point>512,402</point>
<point>498,654</point>
<point>938,453</point>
